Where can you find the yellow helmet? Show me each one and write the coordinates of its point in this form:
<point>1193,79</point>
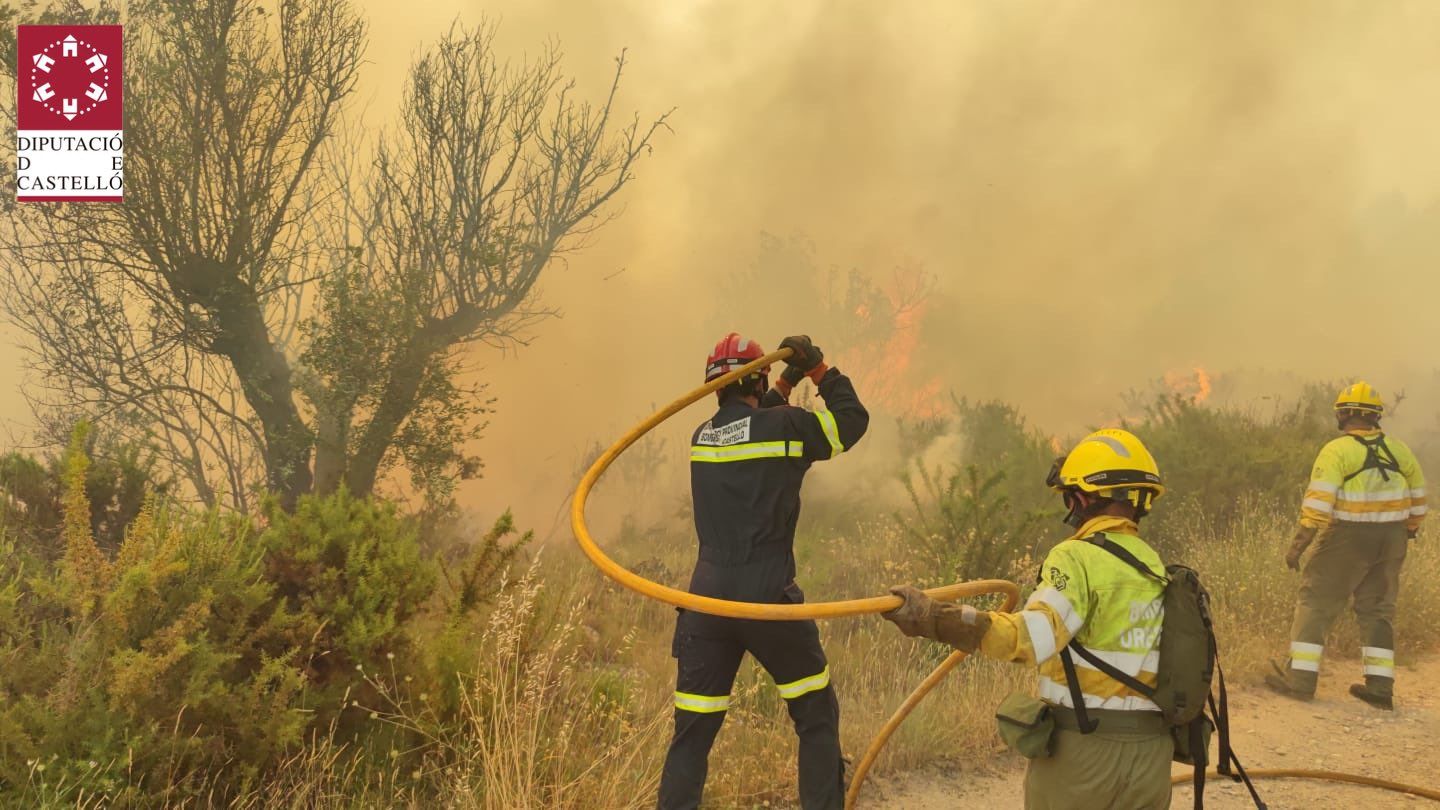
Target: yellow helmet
<point>1111,463</point>
<point>1360,396</point>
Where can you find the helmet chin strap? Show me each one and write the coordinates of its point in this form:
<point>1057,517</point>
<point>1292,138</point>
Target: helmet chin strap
<point>1076,517</point>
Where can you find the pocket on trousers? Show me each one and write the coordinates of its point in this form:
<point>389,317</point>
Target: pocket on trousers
<point>682,633</point>
<point>1025,724</point>
<point>793,594</point>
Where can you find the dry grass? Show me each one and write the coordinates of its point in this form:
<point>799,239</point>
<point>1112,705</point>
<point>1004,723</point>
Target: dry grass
<point>569,706</point>
<point>874,668</point>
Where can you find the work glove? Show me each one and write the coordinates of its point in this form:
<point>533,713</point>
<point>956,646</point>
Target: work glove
<point>803,354</point>
<point>960,626</point>
<point>1304,536</point>
<point>916,615</point>
<point>792,375</point>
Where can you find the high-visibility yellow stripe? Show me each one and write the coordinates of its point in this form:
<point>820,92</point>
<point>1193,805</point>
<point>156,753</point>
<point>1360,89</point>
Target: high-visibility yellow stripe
<point>1354,516</point>
<point>804,686</point>
<point>1391,495</point>
<point>746,451</point>
<point>1378,661</point>
<point>702,704</point>
<point>832,432</point>
<point>1099,690</point>
<point>1305,656</point>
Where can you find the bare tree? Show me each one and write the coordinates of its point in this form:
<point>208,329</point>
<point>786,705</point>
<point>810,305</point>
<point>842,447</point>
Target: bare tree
<point>494,172</point>
<point>243,311</point>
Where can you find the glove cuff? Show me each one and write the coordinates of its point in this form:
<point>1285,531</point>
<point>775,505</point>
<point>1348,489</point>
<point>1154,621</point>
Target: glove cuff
<point>817,373</point>
<point>783,387</point>
<point>960,628</point>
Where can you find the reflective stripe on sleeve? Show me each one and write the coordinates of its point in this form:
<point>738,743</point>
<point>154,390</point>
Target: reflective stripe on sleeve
<point>702,704</point>
<point>1318,505</point>
<point>1047,595</point>
<point>1305,656</point>
<point>1323,486</point>
<point>832,432</point>
<point>747,451</point>
<point>1417,511</point>
<point>1378,661</point>
<point>1042,635</point>
<point>804,686</point>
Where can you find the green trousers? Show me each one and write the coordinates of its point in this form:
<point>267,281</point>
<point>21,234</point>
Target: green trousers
<point>1115,770</point>
<point>1360,560</point>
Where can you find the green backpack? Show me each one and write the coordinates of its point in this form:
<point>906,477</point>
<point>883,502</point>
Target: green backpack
<point>1189,664</point>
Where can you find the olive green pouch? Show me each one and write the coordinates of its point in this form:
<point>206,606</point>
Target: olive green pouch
<point>1026,725</point>
<point>1193,738</point>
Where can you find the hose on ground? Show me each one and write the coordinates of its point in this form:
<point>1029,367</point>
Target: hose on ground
<point>831,610</point>
<point>1328,776</point>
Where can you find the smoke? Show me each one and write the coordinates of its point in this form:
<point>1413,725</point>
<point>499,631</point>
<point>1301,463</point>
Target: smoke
<point>1102,192</point>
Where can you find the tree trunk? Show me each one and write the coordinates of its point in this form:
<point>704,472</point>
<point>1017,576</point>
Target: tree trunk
<point>241,335</point>
<point>407,373</point>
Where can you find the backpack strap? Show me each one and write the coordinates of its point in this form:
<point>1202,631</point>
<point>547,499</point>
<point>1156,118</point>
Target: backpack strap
<point>1109,669</point>
<point>1201,756</point>
<point>1374,460</point>
<point>1082,715</point>
<point>1126,557</point>
<point>1226,752</point>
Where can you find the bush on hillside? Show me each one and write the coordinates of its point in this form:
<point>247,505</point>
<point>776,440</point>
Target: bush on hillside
<point>976,515</point>
<point>205,651</point>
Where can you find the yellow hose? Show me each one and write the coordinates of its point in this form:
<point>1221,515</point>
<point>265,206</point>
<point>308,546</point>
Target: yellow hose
<point>832,610</point>
<point>1328,776</point>
<point>768,612</point>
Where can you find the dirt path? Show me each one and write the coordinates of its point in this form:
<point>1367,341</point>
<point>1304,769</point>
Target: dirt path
<point>1335,732</point>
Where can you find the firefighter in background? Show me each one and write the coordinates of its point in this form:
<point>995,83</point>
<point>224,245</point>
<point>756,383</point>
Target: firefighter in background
<point>1365,501</point>
<point>746,466</point>
<point>1097,596</point>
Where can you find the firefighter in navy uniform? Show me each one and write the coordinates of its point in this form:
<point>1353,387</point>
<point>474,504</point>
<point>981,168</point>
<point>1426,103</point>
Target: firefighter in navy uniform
<point>746,466</point>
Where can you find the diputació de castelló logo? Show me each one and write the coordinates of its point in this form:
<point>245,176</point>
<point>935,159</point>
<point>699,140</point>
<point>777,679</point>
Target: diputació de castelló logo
<point>70,137</point>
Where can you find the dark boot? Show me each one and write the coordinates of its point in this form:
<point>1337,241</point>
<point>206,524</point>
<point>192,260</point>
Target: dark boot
<point>1379,698</point>
<point>1285,682</point>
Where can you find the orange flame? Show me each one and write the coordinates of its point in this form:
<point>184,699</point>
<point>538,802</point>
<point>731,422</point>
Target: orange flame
<point>1194,384</point>
<point>885,373</point>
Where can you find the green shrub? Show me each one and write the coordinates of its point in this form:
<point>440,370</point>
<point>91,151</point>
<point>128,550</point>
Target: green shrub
<point>202,655</point>
<point>117,478</point>
<point>351,571</point>
<point>979,513</point>
<point>1220,461</point>
<point>133,678</point>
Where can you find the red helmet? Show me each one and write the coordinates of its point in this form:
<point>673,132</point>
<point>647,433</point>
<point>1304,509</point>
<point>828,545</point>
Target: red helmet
<point>732,352</point>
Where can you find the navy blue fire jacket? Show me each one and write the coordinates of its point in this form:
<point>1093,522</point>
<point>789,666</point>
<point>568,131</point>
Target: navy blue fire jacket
<point>746,467</point>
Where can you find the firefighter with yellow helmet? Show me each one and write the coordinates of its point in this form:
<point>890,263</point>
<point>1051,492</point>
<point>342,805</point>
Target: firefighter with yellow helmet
<point>1100,595</point>
<point>1364,502</point>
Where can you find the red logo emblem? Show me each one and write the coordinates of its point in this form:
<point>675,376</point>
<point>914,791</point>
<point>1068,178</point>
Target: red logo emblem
<point>69,77</point>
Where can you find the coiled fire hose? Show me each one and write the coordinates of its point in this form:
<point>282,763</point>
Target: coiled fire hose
<point>838,609</point>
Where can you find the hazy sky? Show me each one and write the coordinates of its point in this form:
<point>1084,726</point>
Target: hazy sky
<point>1104,192</point>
